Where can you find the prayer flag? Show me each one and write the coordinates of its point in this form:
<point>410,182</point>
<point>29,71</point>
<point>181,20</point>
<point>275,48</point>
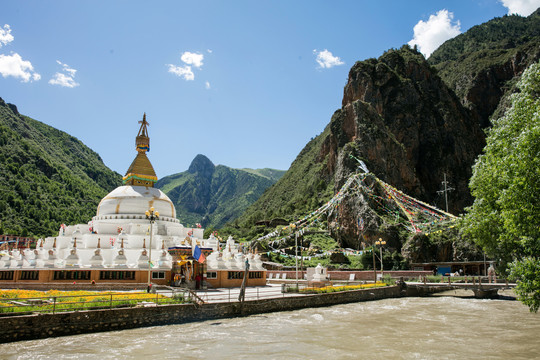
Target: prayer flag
<point>198,255</point>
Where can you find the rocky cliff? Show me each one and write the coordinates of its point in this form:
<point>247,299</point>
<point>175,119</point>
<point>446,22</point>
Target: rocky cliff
<point>411,121</point>
<point>410,129</point>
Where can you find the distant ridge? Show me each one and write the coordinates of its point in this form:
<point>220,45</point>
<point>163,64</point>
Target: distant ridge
<point>214,195</point>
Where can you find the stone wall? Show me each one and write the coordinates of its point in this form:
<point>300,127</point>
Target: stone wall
<point>37,326</point>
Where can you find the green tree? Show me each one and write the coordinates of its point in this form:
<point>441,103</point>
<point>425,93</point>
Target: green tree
<point>505,216</point>
<point>527,272</point>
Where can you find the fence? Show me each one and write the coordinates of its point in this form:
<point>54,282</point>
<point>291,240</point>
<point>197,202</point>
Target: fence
<point>114,300</point>
<point>228,295</point>
<point>55,304</point>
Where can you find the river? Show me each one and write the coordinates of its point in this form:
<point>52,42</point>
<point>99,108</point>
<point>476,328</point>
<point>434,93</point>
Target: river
<point>404,328</point>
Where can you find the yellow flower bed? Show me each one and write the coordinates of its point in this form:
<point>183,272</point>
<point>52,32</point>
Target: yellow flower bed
<point>76,296</point>
<point>74,300</point>
<point>327,289</point>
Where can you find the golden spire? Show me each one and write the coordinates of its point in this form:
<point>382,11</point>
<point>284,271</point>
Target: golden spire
<point>141,172</point>
<point>142,141</point>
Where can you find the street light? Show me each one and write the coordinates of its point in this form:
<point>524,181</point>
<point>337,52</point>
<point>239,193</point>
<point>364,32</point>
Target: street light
<point>151,215</point>
<point>381,242</point>
<point>293,227</point>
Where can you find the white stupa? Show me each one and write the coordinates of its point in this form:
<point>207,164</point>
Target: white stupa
<point>119,235</point>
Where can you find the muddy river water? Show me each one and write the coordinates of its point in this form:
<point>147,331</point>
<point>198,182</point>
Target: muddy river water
<point>405,328</point>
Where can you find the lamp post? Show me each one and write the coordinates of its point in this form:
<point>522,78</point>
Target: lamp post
<point>151,215</point>
<point>293,226</point>
<point>381,242</point>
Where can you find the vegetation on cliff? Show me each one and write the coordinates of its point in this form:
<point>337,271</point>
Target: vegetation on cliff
<point>47,177</point>
<point>504,218</point>
<point>411,121</point>
<point>483,64</point>
<point>405,124</point>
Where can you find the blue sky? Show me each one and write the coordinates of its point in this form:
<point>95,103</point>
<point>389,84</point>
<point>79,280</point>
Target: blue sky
<point>246,83</point>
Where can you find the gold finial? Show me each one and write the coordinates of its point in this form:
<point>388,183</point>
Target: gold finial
<point>141,172</point>
<point>142,141</point>
<point>99,243</point>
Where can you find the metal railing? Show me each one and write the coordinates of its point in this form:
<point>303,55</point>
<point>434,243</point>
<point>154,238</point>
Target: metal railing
<point>112,300</point>
<point>229,295</point>
<point>115,300</point>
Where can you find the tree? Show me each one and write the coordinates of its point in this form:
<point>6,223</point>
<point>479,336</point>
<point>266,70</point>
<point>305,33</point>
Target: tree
<point>505,216</point>
<point>528,287</point>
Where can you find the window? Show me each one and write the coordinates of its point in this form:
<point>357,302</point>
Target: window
<point>117,275</point>
<point>6,275</point>
<point>255,274</point>
<point>71,275</point>
<point>29,275</point>
<point>158,275</point>
<point>211,275</point>
<point>235,275</point>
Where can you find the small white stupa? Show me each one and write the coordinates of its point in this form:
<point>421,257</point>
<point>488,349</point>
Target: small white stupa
<point>232,259</point>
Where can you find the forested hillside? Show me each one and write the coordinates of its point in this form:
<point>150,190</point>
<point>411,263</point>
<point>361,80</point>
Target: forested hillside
<point>47,177</point>
<point>483,65</point>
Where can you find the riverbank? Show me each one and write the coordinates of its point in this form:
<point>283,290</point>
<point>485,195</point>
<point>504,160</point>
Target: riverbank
<point>430,327</point>
<point>38,326</point>
<point>221,304</point>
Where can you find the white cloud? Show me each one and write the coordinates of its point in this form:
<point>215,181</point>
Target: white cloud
<point>189,59</point>
<point>207,85</point>
<point>5,35</point>
<point>64,78</point>
<point>193,59</point>
<point>14,65</point>
<point>521,7</point>
<point>209,51</point>
<point>429,35</point>
<point>182,71</point>
<point>326,59</point>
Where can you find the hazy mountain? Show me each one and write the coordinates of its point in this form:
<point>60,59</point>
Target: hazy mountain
<point>213,195</point>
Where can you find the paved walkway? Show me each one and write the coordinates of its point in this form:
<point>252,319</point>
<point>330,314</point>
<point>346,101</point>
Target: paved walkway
<point>252,293</point>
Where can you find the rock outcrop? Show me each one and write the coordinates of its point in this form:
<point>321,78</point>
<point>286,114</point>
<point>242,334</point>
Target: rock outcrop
<point>409,128</point>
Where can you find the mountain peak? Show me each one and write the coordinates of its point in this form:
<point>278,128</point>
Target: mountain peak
<point>202,165</point>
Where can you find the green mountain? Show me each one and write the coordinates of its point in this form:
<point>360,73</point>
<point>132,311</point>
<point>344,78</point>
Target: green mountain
<point>47,177</point>
<point>214,195</point>
<point>412,122</point>
<point>483,65</point>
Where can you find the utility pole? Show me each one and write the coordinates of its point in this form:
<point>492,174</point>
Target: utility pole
<point>374,265</point>
<point>296,256</point>
<point>445,191</point>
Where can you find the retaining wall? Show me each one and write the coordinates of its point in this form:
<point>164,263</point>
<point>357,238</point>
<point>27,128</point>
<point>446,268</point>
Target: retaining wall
<point>37,326</point>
